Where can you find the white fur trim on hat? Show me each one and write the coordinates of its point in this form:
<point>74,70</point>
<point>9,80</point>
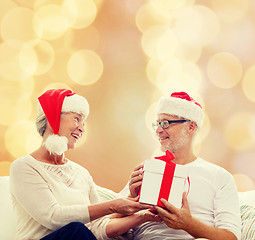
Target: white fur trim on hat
<point>77,104</point>
<point>56,144</point>
<point>181,108</point>
<point>74,103</point>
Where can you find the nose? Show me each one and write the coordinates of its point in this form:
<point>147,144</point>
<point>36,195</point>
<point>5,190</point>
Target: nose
<point>159,129</point>
<point>81,127</point>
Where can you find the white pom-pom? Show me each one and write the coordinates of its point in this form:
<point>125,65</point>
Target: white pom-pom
<point>56,144</point>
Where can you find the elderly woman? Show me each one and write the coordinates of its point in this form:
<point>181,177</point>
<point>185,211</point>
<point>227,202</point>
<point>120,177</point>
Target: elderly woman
<point>54,197</point>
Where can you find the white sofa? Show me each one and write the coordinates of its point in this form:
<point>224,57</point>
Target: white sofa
<point>7,217</point>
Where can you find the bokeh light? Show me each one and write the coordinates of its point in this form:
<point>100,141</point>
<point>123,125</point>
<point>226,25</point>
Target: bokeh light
<point>147,17</point>
<point>79,13</point>
<point>237,131</point>
<point>5,168</point>
<point>17,25</point>
<point>249,83</point>
<point>36,57</point>
<point>243,182</point>
<point>9,61</point>
<point>85,67</point>
<point>224,70</point>
<point>197,25</point>
<point>230,10</point>
<point>12,97</point>
<point>49,23</point>
<point>17,138</point>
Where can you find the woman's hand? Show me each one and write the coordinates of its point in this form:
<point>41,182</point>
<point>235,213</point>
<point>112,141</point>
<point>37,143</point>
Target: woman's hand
<point>135,181</point>
<point>128,206</point>
<point>149,215</point>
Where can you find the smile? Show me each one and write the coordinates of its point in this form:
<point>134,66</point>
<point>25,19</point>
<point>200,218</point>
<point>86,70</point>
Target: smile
<point>76,136</point>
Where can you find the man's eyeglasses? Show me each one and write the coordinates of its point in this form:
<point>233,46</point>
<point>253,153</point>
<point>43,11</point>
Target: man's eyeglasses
<point>166,123</point>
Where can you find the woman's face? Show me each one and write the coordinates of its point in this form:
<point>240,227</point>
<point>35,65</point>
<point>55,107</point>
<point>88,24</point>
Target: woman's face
<point>72,127</point>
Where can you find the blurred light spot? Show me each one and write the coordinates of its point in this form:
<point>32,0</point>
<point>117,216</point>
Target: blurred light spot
<point>5,168</point>
<point>237,133</point>
<point>167,6</point>
<point>230,10</point>
<point>171,79</point>
<point>17,138</point>
<point>85,67</point>
<point>9,61</point>
<point>16,100</point>
<point>56,85</point>
<point>37,57</point>
<point>49,22</point>
<point>167,45</point>
<point>214,101</point>
<point>252,126</point>
<point>17,24</point>
<point>244,163</point>
<point>193,70</point>
<point>189,53</point>
<point>248,83</point>
<point>79,13</point>
<point>224,70</point>
<point>33,139</point>
<point>5,7</point>
<point>87,38</point>
<point>197,26</point>
<point>216,154</point>
<point>152,69</point>
<point>150,117</point>
<point>155,66</point>
<point>147,17</point>
<point>243,182</point>
<point>151,38</point>
<point>204,130</point>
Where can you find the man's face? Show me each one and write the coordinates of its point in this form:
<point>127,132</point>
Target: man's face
<point>173,138</point>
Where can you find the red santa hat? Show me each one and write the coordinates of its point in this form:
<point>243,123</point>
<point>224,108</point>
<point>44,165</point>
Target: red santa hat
<point>182,105</point>
<point>52,103</point>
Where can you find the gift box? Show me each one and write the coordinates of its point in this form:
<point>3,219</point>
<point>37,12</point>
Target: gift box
<point>163,179</point>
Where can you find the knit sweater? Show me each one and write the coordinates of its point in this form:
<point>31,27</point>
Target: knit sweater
<point>47,197</point>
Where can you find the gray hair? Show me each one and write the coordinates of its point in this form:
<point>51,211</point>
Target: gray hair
<point>41,123</point>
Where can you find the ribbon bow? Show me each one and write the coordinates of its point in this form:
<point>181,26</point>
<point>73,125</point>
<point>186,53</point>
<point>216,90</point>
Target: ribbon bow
<point>168,157</point>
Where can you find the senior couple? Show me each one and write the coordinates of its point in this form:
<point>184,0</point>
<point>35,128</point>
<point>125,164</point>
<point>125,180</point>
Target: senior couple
<point>55,198</point>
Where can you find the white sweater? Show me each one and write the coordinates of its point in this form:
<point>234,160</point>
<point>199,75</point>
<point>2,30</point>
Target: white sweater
<point>47,197</point>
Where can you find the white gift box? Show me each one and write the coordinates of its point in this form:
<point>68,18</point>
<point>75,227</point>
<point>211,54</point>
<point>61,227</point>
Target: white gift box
<point>151,188</point>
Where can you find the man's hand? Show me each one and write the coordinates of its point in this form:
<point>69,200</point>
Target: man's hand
<point>173,217</point>
<point>135,181</point>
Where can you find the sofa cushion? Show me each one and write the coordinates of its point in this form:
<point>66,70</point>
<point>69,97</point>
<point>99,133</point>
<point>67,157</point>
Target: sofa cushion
<point>248,222</point>
<point>7,219</point>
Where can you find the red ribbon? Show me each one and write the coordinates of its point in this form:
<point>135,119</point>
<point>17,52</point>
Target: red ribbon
<point>168,176</point>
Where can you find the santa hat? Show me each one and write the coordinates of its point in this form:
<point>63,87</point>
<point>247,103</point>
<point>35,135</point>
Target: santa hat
<point>52,103</point>
<point>182,105</point>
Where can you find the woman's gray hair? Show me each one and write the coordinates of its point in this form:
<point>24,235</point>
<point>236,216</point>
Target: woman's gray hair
<point>41,123</point>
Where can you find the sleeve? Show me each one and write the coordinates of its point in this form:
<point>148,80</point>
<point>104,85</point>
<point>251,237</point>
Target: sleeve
<point>98,226</point>
<point>226,204</point>
<point>32,192</point>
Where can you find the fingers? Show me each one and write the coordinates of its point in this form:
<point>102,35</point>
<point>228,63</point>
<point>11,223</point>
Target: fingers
<point>140,166</point>
<point>135,181</point>
<point>170,207</point>
<point>185,203</point>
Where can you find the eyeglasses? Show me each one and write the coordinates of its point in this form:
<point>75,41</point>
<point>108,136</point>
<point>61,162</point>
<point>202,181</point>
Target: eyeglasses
<point>166,123</point>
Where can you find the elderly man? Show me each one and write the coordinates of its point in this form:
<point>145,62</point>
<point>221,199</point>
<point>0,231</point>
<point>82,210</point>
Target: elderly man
<point>211,209</point>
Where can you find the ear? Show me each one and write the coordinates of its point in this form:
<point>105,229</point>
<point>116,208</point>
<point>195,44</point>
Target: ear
<point>192,127</point>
